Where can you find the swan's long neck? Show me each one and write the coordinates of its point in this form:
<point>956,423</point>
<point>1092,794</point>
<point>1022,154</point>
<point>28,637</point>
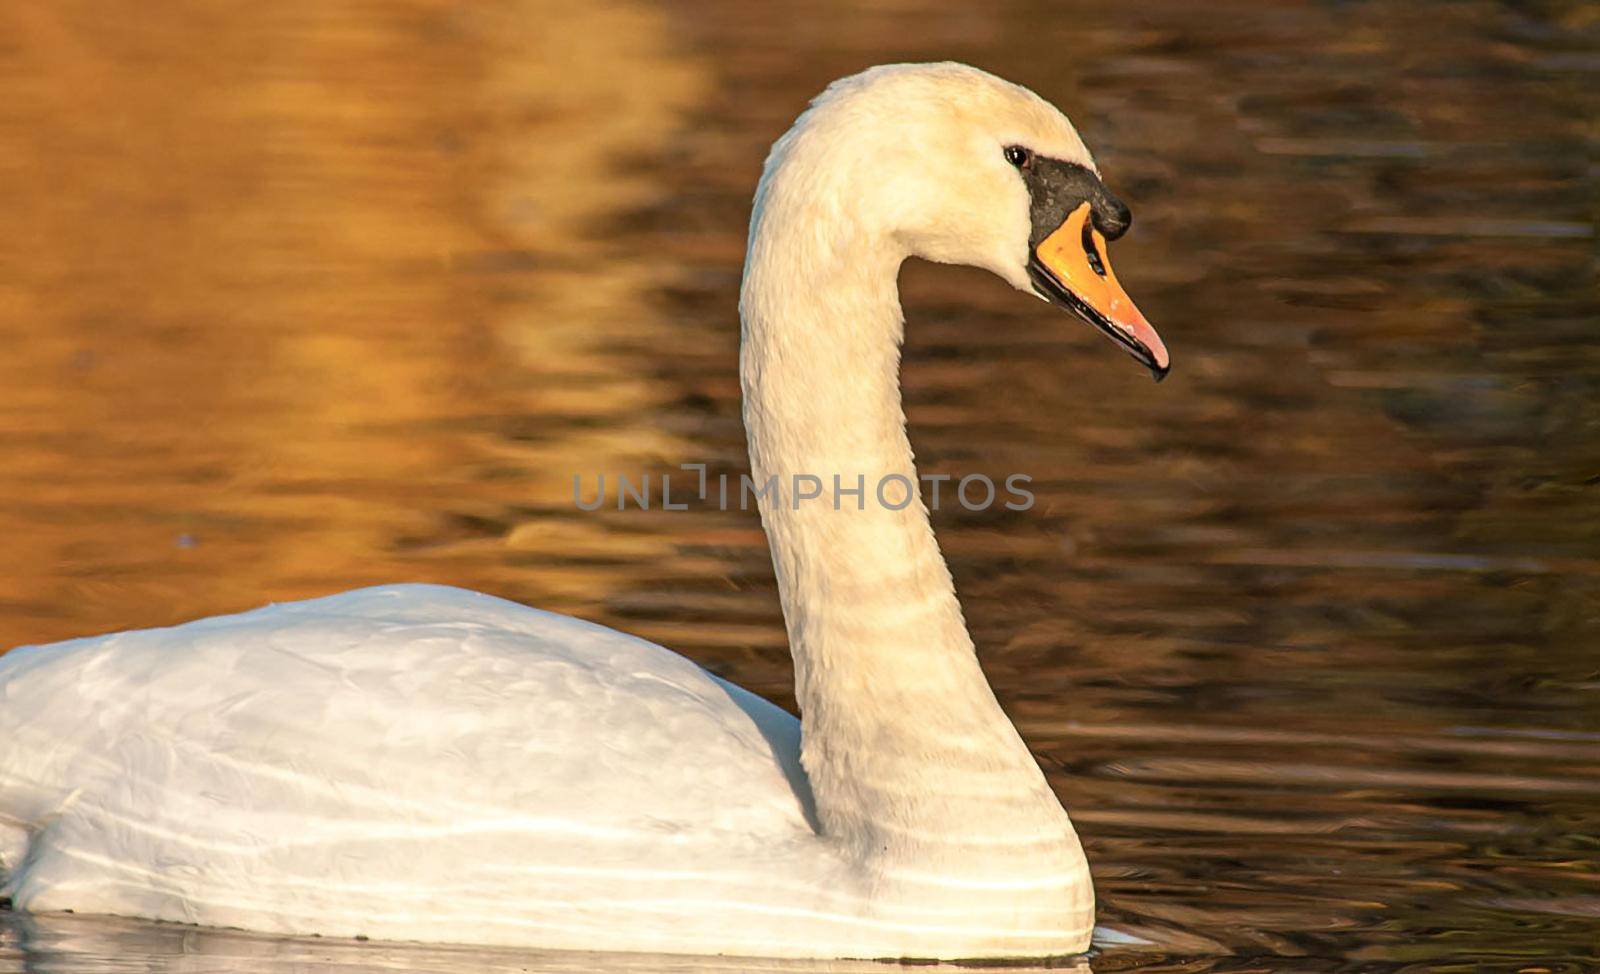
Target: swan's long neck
<point>909,756</point>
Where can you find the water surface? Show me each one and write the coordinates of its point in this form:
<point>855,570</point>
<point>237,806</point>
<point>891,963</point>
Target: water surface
<point>300,297</point>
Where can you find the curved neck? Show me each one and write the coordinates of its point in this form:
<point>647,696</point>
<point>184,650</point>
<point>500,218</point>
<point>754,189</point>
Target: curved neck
<point>902,739</point>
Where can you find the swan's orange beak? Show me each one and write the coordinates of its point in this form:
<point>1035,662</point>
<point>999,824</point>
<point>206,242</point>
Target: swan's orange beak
<point>1070,268</point>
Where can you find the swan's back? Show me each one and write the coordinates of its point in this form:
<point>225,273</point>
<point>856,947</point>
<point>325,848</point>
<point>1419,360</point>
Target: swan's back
<point>458,755</point>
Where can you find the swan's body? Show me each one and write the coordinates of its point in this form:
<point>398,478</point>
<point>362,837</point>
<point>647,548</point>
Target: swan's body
<point>424,763</point>
<point>395,762</point>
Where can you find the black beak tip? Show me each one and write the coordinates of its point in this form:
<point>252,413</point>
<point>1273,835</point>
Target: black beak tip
<point>1159,372</point>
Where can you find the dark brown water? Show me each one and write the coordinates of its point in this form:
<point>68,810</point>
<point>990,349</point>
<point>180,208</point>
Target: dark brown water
<point>297,297</point>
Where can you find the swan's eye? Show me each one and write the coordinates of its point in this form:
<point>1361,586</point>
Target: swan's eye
<point>1018,156</point>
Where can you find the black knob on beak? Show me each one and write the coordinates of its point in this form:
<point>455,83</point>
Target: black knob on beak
<point>1111,216</point>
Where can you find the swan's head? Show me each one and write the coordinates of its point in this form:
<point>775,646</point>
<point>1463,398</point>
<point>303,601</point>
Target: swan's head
<point>955,165</point>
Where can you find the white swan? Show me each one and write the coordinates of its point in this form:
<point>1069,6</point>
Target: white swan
<point>423,763</point>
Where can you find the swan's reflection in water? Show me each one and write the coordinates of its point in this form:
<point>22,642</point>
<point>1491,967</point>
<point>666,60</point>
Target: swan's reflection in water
<point>62,943</point>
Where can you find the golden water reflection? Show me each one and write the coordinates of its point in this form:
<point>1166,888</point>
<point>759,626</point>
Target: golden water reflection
<point>285,278</point>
